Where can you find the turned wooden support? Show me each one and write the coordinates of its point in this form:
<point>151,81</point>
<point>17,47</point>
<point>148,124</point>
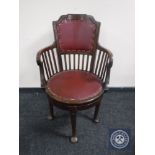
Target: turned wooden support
<point>50,110</point>
<point>96,119</point>
<point>73,124</point>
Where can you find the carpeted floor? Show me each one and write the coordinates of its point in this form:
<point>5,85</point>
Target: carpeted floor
<point>39,136</point>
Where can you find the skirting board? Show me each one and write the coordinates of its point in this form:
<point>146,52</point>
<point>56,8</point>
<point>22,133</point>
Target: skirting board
<point>32,89</point>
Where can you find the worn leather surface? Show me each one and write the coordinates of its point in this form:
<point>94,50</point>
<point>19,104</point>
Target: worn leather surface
<point>76,35</point>
<point>74,86</point>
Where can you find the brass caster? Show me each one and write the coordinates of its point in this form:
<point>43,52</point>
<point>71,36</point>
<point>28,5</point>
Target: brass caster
<point>96,120</point>
<point>50,118</point>
<point>74,139</point>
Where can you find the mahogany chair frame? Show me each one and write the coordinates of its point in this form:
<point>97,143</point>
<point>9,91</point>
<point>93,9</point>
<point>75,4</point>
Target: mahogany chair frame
<point>51,61</point>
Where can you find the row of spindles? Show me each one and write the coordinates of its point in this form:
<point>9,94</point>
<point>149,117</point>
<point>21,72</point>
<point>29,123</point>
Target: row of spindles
<point>50,63</point>
<point>74,62</point>
<point>100,67</point>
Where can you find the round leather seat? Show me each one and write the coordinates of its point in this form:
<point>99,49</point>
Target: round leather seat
<point>74,86</point>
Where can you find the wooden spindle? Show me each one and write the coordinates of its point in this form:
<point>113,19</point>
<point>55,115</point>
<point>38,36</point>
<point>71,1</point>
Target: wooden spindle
<point>69,57</point>
<point>44,63</point>
<point>87,62</point>
<point>97,62</point>
<point>74,61</point>
<point>105,70</point>
<point>83,61</point>
<point>78,61</point>
<point>47,62</point>
<point>101,64</point>
<point>105,63</point>
<point>52,70</point>
<point>65,61</point>
<point>55,65</point>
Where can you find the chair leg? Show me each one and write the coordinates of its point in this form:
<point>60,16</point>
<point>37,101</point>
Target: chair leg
<point>50,111</point>
<point>74,138</point>
<point>96,120</point>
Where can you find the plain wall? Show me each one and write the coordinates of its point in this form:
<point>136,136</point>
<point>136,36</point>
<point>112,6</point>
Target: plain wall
<point>116,34</point>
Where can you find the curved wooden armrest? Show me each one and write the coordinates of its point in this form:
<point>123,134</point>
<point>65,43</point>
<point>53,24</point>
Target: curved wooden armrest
<point>41,65</point>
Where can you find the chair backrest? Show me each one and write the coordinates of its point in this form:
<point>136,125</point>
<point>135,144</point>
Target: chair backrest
<point>75,47</point>
<point>76,37</point>
<point>76,33</point>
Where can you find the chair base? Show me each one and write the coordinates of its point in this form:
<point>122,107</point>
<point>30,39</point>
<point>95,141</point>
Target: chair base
<point>74,140</point>
<point>73,110</point>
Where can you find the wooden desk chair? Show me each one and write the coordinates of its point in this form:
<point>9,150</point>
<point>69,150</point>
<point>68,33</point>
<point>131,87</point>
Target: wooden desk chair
<point>75,69</point>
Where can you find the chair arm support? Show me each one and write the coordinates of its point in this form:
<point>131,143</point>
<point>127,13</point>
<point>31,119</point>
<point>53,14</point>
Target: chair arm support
<point>42,50</point>
<point>109,64</point>
<point>40,64</point>
<point>42,76</point>
<point>108,52</point>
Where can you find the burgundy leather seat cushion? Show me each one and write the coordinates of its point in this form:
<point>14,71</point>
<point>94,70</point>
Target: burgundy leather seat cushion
<point>74,86</point>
